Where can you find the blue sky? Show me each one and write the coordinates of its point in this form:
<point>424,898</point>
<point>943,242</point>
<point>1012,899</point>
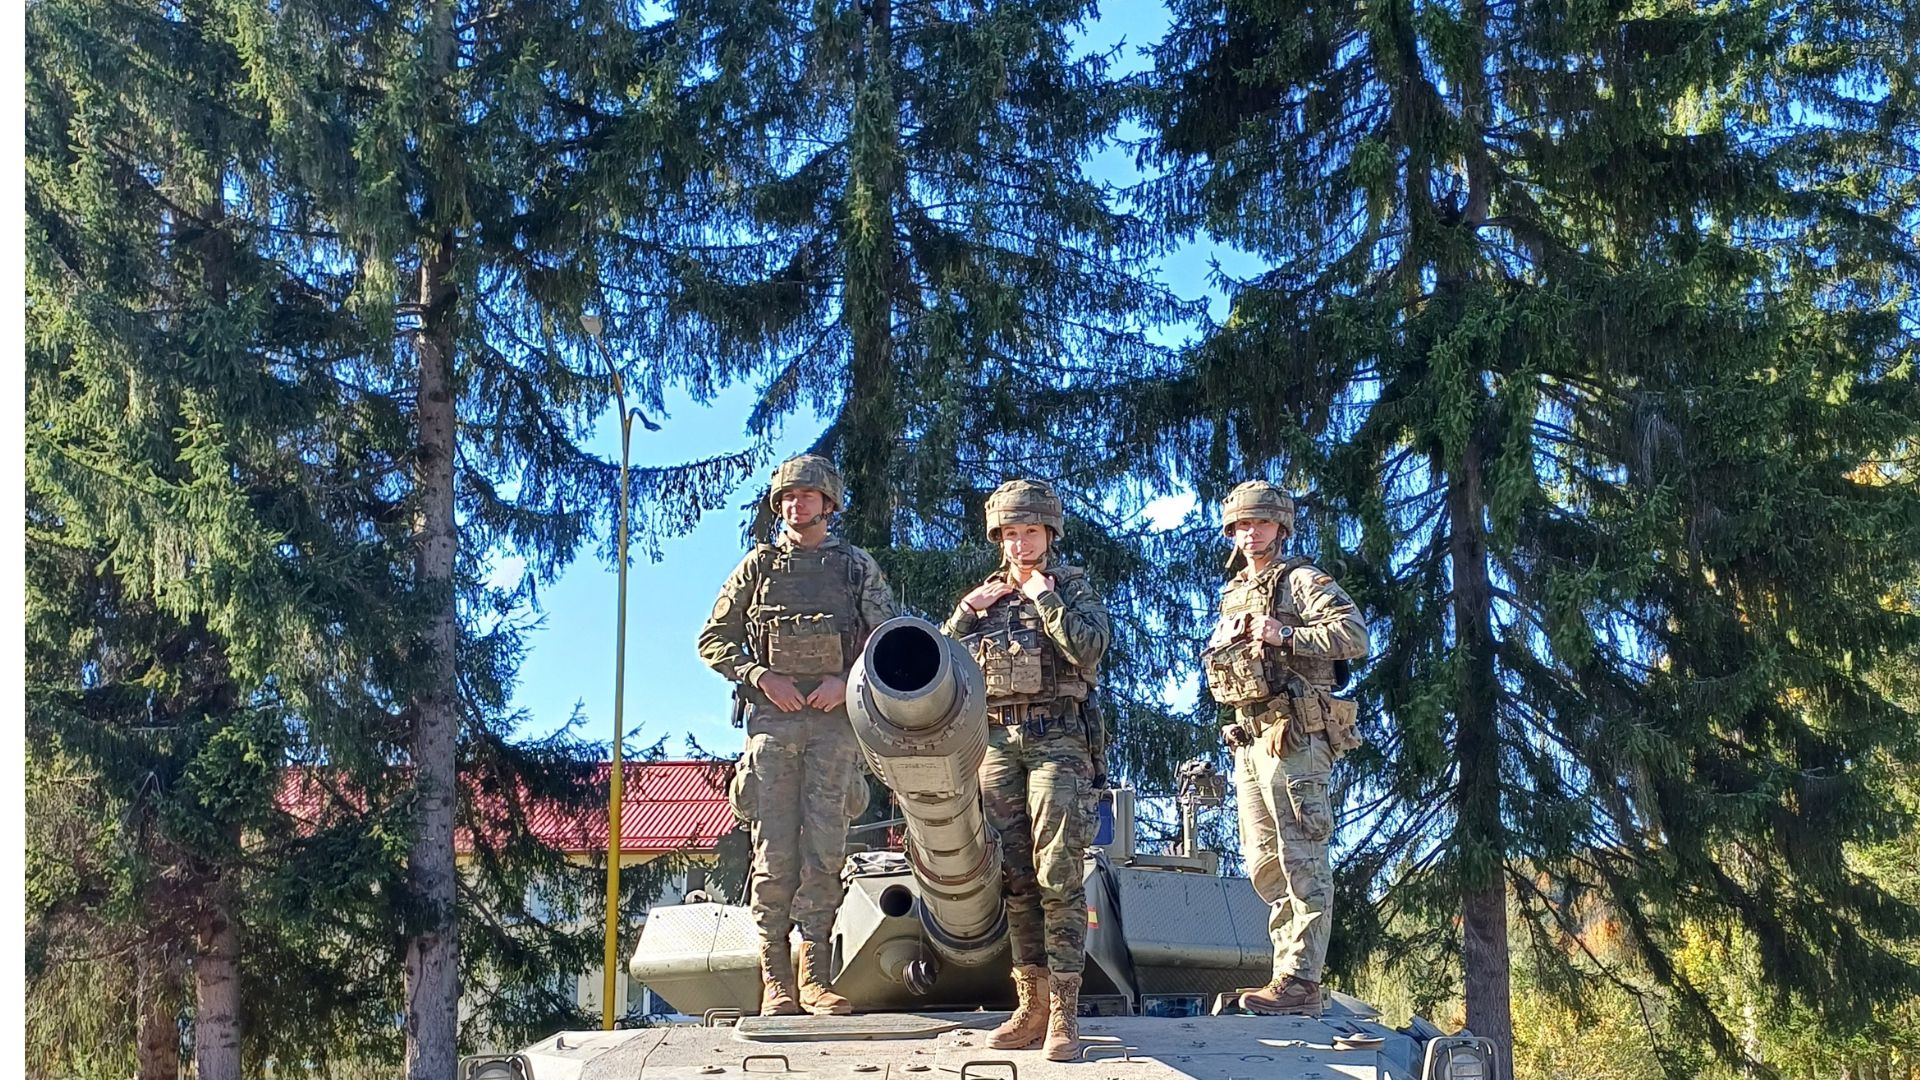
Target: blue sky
<point>669,693</point>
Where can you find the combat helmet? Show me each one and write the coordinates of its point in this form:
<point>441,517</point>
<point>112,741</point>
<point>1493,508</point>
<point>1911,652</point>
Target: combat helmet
<point>808,471</point>
<point>1256,499</point>
<point>1024,502</point>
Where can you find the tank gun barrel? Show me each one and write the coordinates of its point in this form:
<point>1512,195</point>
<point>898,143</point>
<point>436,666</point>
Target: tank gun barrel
<point>918,705</point>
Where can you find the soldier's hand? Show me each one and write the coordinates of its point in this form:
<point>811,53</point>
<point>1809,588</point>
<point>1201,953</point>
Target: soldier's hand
<point>829,695</point>
<point>780,690</point>
<point>1036,585</point>
<point>987,595</point>
<point>1237,736</point>
<point>1269,630</point>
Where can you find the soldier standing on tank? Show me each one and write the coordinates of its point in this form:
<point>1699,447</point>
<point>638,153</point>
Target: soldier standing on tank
<point>788,626</point>
<point>1285,634</point>
<point>1038,630</point>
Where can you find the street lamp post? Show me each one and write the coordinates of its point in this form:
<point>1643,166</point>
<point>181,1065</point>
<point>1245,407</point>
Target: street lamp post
<point>616,787</point>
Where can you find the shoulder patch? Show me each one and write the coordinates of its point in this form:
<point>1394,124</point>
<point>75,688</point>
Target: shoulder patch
<point>1322,579</point>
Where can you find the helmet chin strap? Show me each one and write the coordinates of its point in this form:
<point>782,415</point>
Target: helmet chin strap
<point>812,521</point>
<point>1245,553</point>
<point>1010,562</point>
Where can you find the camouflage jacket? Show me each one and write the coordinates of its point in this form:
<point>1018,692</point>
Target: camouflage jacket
<point>1327,623</point>
<point>1071,614</point>
<point>730,642</point>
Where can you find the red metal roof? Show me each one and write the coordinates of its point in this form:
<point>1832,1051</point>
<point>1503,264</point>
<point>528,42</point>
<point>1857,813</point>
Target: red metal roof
<point>665,806</point>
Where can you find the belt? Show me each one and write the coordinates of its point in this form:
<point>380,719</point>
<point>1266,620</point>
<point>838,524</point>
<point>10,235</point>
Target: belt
<point>1263,714</point>
<point>1022,714</point>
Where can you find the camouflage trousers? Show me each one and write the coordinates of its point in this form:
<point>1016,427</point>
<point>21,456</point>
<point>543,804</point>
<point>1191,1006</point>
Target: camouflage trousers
<point>1039,797</point>
<point>792,787</point>
<point>1286,819</point>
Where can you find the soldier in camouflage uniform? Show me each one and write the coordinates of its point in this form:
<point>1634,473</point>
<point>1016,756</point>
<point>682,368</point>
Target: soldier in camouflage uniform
<point>1038,630</point>
<point>1285,633</point>
<point>788,626</point>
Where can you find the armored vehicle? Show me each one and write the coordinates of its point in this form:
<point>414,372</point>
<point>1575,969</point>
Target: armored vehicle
<point>920,945</point>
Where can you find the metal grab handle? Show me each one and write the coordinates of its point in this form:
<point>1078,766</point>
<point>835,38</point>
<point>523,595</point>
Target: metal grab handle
<point>1089,1051</point>
<point>781,1058</point>
<point>516,1065</point>
<point>1012,1069</point>
<point>720,1018</point>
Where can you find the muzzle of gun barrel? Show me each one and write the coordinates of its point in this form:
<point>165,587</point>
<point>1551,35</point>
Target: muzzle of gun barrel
<point>918,705</point>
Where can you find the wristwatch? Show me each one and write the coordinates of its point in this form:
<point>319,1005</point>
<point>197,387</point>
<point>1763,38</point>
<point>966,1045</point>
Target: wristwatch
<point>1286,638</point>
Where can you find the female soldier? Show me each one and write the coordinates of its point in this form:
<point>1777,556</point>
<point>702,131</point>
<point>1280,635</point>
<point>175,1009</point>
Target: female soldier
<point>1038,630</point>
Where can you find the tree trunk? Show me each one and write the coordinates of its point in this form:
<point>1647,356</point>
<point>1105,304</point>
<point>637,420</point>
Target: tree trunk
<point>1479,834</point>
<point>431,967</point>
<point>158,981</point>
<point>216,963</point>
<point>216,987</point>
<point>870,423</point>
<point>433,949</point>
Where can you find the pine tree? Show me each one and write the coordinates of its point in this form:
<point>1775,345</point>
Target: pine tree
<point>480,176</point>
<point>223,464</point>
<point>900,234</point>
<point>1580,318</point>
<point>189,626</point>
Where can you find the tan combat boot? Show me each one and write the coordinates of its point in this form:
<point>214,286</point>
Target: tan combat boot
<point>1029,1019</point>
<point>776,980</point>
<point>1292,996</point>
<point>1063,1018</point>
<point>814,995</point>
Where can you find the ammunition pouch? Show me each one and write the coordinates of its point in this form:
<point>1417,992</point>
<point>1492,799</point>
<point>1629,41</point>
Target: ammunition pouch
<point>804,644</point>
<point>1012,667</point>
<point>859,797</point>
<point>1237,672</point>
<point>1020,664</point>
<point>1343,724</point>
<point>1286,724</point>
<point>740,792</point>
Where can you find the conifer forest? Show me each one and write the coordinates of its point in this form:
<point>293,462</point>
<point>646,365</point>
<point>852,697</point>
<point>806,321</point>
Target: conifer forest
<point>1586,334</point>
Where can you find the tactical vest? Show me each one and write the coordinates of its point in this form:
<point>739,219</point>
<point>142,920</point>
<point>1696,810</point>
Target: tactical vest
<point>805,615</point>
<point>1248,671</point>
<point>1021,663</point>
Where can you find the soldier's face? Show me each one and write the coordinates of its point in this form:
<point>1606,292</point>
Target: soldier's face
<point>1255,537</point>
<point>800,507</point>
<point>1024,545</point>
